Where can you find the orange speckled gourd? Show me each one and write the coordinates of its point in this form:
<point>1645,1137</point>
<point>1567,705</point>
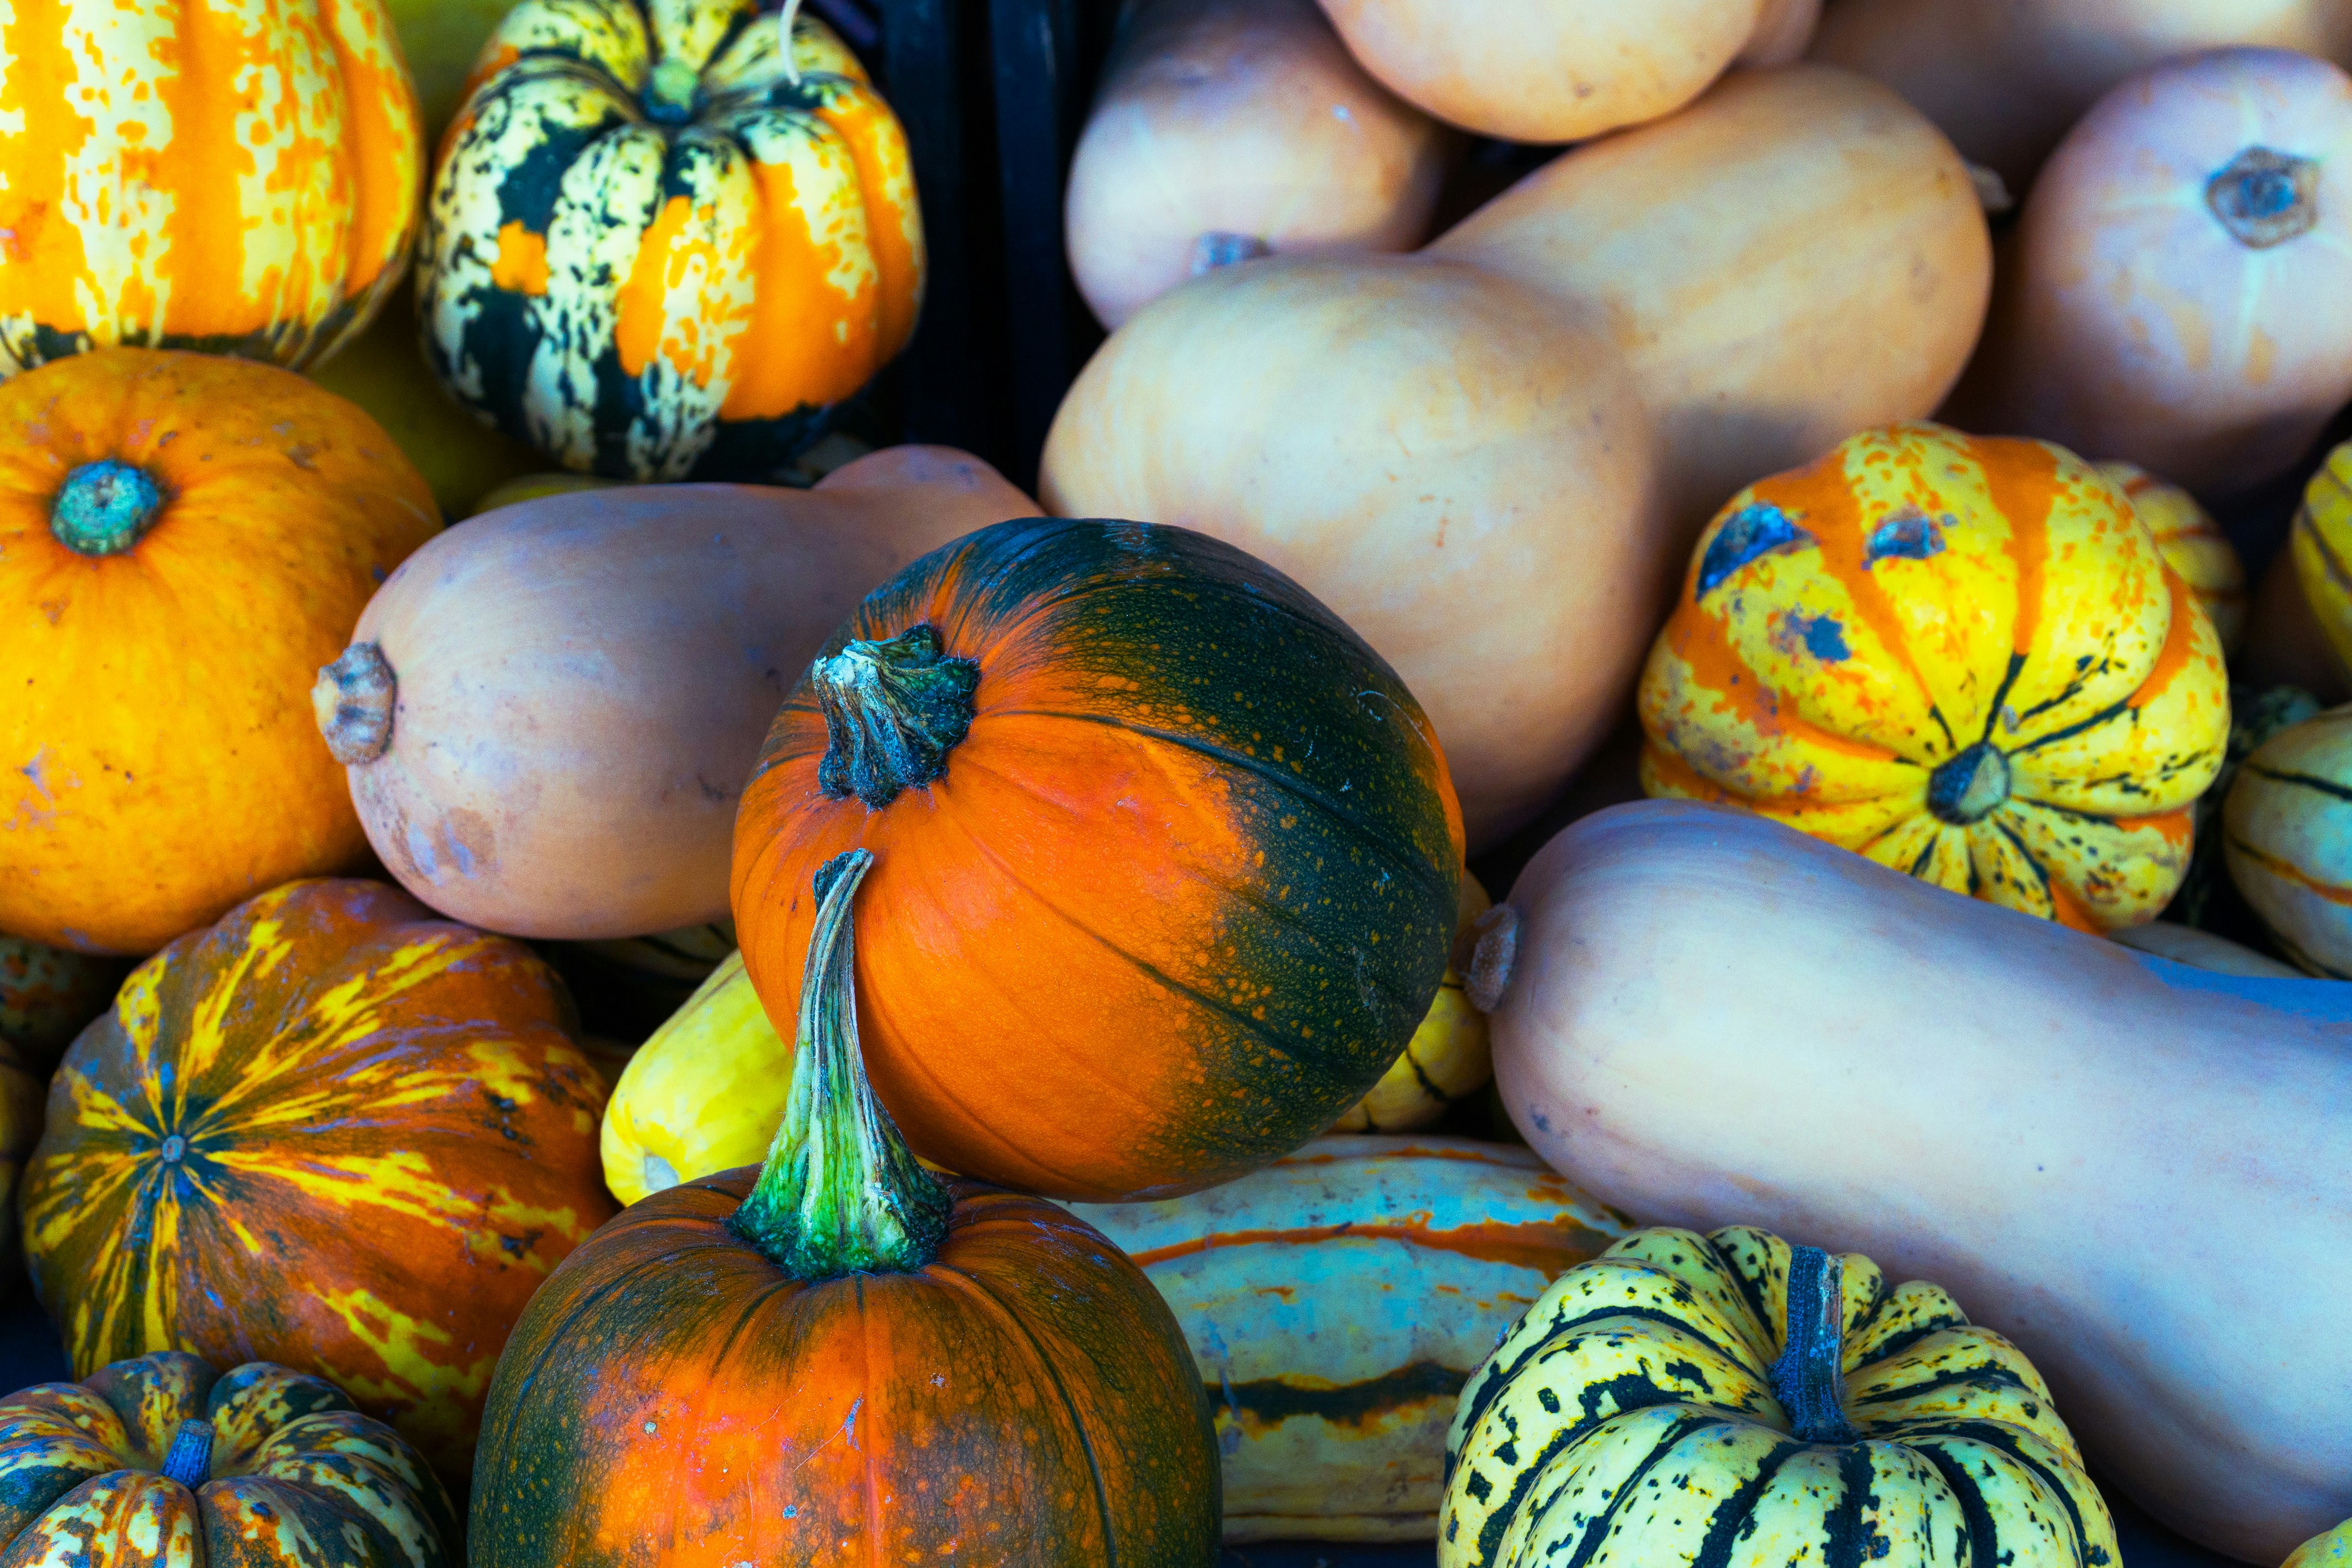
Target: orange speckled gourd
<point>330,1131</point>
<point>237,178</point>
<point>1964,657</point>
<point>183,541</point>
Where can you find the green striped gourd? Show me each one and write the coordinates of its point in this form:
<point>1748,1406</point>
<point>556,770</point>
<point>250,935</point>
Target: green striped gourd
<point>1337,1300</point>
<point>2287,837</point>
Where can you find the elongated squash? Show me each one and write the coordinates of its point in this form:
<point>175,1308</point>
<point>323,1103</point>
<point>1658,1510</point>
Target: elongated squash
<point>2132,1169</point>
<point>1336,1302</point>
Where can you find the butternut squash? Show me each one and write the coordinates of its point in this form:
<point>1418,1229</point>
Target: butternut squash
<point>1796,256</point>
<point>1446,460</point>
<point>2131,1168</point>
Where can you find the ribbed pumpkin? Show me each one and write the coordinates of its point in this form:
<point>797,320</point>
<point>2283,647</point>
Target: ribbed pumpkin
<point>1337,1301</point>
<point>183,541</point>
<point>1170,858</point>
<point>2286,831</point>
<point>833,1357</point>
<point>236,180</point>
<point>1684,1396</point>
<point>47,994</point>
<point>2192,544</point>
<point>1964,657</point>
<point>1447,1057</point>
<point>330,1131</point>
<point>660,243</point>
<point>2321,546</point>
<point>160,1461</point>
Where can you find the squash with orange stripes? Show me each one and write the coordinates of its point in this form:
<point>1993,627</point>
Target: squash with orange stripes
<point>2286,835</point>
<point>1964,657</point>
<point>2192,542</point>
<point>239,179</point>
<point>663,242</point>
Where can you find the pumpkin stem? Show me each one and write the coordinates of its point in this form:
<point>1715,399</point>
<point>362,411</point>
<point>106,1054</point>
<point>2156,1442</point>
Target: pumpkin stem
<point>353,701</point>
<point>1809,1380</point>
<point>2265,198</point>
<point>893,711</point>
<point>840,1192</point>
<point>786,15</point>
<point>1493,955</point>
<point>1967,788</point>
<point>104,508</point>
<point>189,1461</point>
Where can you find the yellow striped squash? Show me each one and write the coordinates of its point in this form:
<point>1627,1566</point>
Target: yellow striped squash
<point>2286,832</point>
<point>1712,1399</point>
<point>238,177</point>
<point>1335,1301</point>
<point>2333,1550</point>
<point>1962,656</point>
<point>661,243</point>
<point>2192,544</point>
<point>1447,1057</point>
<point>2321,546</point>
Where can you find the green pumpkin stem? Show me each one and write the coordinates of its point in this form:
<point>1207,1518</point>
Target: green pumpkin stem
<point>1809,1379</point>
<point>840,1192</point>
<point>893,711</point>
<point>105,508</point>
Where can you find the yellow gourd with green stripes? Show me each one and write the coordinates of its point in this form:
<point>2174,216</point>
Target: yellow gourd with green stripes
<point>2286,835</point>
<point>2321,544</point>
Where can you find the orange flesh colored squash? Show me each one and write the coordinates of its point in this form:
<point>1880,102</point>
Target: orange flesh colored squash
<point>2162,302</point>
<point>1461,473</point>
<point>1226,128</point>
<point>2138,1180</point>
<point>1796,256</point>
<point>1561,70</point>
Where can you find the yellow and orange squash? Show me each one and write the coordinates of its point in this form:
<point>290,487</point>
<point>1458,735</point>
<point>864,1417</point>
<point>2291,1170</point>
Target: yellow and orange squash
<point>183,541</point>
<point>241,180</point>
<point>2320,544</point>
<point>663,242</point>
<point>2192,544</point>
<point>1964,657</point>
<point>330,1131</point>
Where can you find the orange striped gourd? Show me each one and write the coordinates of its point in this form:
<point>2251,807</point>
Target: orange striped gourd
<point>2192,544</point>
<point>1964,657</point>
<point>238,178</point>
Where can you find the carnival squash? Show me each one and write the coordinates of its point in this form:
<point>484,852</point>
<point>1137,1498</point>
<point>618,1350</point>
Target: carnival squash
<point>183,541</point>
<point>1156,830</point>
<point>2006,81</point>
<point>1228,129</point>
<point>2287,835</point>
<point>2193,544</point>
<point>180,176</point>
<point>330,1131</point>
<point>47,994</point>
<point>2131,1169</point>
<point>2320,546</point>
<point>2159,303</point>
<point>1964,657</point>
<point>1797,255</point>
<point>548,717</point>
<point>1446,1060</point>
<point>836,1357</point>
<point>1803,1409</point>
<point>2333,1550</point>
<point>1466,479</point>
<point>162,1460</point>
<point>1337,1302</point>
<point>1562,70</point>
<point>662,243</point>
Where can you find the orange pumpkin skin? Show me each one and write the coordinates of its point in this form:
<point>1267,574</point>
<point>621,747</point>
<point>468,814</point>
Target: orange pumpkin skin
<point>669,1373</point>
<point>162,760</point>
<point>1193,864</point>
<point>332,1133</point>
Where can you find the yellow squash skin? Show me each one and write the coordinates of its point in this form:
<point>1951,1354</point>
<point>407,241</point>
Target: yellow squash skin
<point>1447,1057</point>
<point>702,1095</point>
<point>2321,546</point>
<point>1635,1416</point>
<point>2333,1550</point>
<point>2192,544</point>
<point>1963,658</point>
<point>238,177</point>
<point>2286,835</point>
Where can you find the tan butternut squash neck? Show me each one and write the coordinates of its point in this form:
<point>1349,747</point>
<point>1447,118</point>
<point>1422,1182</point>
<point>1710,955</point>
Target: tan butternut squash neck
<point>353,700</point>
<point>893,711</point>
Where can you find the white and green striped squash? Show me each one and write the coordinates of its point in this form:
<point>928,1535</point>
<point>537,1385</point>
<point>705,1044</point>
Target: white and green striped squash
<point>661,245</point>
<point>2286,836</point>
<point>1337,1300</point>
<point>1730,1399</point>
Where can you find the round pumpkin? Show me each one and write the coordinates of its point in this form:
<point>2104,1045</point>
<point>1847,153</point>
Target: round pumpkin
<point>1447,1058</point>
<point>835,1357</point>
<point>1791,1401</point>
<point>2193,544</point>
<point>2320,544</point>
<point>160,1459</point>
<point>2333,1550</point>
<point>1228,129</point>
<point>330,1132</point>
<point>1169,858</point>
<point>2158,305</point>
<point>183,541</point>
<point>1962,656</point>
<point>663,245</point>
<point>194,176</point>
<point>2287,837</point>
<point>47,994</point>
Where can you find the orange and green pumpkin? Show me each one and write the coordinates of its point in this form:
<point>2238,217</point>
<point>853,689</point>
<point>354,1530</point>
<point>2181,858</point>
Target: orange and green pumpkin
<point>331,1131</point>
<point>1964,657</point>
<point>161,1461</point>
<point>240,180</point>
<point>835,1357</point>
<point>1168,856</point>
<point>662,242</point>
<point>183,541</point>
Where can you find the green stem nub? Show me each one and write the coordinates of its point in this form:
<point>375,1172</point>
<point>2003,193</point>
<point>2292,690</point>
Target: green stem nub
<point>1966,789</point>
<point>189,1461</point>
<point>893,711</point>
<point>1809,1380</point>
<point>840,1192</point>
<point>104,508</point>
<point>2265,198</point>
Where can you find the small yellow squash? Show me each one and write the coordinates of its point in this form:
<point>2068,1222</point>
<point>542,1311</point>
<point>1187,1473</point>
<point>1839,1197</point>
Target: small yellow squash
<point>703,1094</point>
<point>2321,546</point>
<point>1447,1057</point>
<point>2333,1550</point>
<point>2192,544</point>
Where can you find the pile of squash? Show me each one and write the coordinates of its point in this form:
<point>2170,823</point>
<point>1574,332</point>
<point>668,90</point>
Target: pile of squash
<point>473,673</point>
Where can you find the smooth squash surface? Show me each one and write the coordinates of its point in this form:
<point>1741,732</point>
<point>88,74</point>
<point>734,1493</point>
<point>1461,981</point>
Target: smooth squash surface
<point>2287,835</point>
